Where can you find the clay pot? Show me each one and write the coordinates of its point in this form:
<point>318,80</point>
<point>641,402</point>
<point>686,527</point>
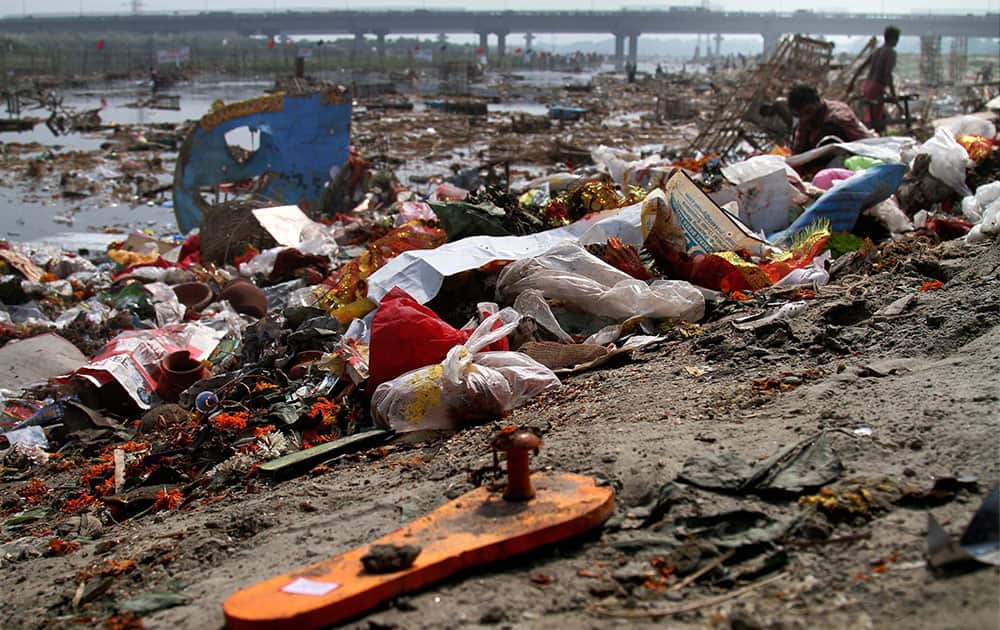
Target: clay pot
<point>178,371</point>
<point>194,295</point>
<point>302,361</point>
<point>245,297</point>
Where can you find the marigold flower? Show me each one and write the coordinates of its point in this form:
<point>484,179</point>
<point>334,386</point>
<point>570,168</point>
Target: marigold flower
<point>60,547</point>
<point>325,411</point>
<point>230,421</point>
<point>78,504</point>
<point>168,500</point>
<point>34,492</point>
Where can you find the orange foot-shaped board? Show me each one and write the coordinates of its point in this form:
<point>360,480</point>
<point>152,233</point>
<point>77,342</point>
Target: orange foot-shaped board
<point>476,528</point>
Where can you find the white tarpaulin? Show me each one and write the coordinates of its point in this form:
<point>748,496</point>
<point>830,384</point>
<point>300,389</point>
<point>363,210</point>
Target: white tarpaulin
<point>421,272</point>
<point>890,149</point>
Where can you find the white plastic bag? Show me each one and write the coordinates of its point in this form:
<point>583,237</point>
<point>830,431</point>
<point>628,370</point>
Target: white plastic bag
<point>815,275</point>
<point>949,160</point>
<point>983,208</point>
<point>970,125</point>
<point>569,273</point>
<point>990,225</point>
<point>889,214</point>
<point>531,303</point>
<point>467,387</point>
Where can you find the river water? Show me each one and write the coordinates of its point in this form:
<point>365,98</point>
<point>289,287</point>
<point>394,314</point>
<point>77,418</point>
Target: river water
<point>33,212</point>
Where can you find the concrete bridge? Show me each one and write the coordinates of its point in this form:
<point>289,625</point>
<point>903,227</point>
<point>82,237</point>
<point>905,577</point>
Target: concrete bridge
<point>625,25</point>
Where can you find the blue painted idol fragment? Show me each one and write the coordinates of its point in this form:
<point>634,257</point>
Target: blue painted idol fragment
<point>301,138</point>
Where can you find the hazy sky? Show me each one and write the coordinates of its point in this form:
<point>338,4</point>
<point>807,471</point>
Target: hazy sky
<point>16,7</point>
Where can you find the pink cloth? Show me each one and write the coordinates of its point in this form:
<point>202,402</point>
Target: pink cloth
<point>825,179</point>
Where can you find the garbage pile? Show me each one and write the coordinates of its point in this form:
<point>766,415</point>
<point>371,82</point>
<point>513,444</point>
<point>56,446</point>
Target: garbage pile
<point>151,375</point>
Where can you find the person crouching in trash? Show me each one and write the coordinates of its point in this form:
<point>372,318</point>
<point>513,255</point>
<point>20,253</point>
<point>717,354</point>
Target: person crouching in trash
<point>822,120</point>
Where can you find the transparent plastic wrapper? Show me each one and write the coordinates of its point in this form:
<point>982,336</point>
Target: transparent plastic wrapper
<point>467,387</point>
<point>970,125</point>
<point>133,358</point>
<point>414,210</point>
<point>57,288</point>
<point>990,225</point>
<point>28,314</point>
<point>262,264</point>
<point>971,210</point>
<point>889,214</point>
<point>815,275</point>
<point>71,265</point>
<point>95,314</point>
<point>949,160</point>
<point>531,303</point>
<point>167,307</point>
<point>626,170</point>
<point>303,296</point>
<point>569,273</point>
<point>149,274</point>
<point>280,296</point>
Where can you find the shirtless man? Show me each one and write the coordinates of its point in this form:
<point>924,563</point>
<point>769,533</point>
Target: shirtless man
<point>879,80</point>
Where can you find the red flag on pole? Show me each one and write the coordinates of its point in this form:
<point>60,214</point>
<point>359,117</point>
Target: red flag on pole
<point>100,44</point>
<point>270,44</point>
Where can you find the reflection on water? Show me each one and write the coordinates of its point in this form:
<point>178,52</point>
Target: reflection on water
<point>27,221</point>
<point>32,219</point>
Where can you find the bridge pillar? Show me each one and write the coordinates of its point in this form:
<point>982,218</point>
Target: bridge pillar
<point>380,43</point>
<point>771,40</point>
<point>501,44</point>
<point>718,45</point>
<point>633,49</point>
<point>619,51</point>
<point>529,39</point>
<point>484,42</point>
<point>358,45</point>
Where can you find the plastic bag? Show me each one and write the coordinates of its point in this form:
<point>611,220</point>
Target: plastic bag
<point>569,273</point>
<point>467,387</point>
<point>990,225</point>
<point>825,179</point>
<point>815,274</point>
<point>413,211</point>
<point>261,264</point>
<point>889,214</point>
<point>970,125</point>
<point>949,160</point>
<point>406,335</point>
<point>974,206</point>
<point>531,303</point>
<point>861,163</point>
<point>842,204</point>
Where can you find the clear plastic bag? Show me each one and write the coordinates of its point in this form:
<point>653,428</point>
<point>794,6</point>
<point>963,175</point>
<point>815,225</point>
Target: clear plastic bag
<point>983,208</point>
<point>467,387</point>
<point>971,125</point>
<point>569,273</point>
<point>949,160</point>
